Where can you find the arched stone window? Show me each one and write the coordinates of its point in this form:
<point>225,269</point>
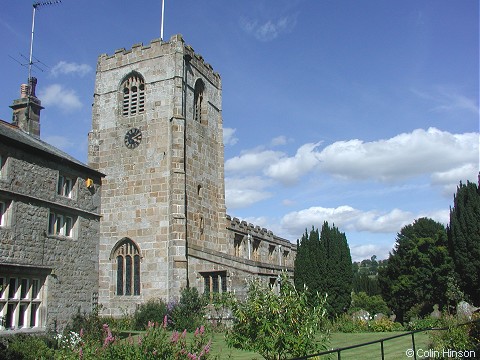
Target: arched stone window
<point>198,100</point>
<point>126,257</point>
<point>133,92</point>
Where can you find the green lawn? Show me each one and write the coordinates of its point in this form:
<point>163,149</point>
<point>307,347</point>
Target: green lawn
<point>393,349</point>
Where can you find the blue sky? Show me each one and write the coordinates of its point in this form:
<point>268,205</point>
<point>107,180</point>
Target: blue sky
<point>361,113</point>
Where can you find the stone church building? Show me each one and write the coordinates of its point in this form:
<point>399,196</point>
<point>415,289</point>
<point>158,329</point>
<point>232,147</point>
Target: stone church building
<point>146,217</point>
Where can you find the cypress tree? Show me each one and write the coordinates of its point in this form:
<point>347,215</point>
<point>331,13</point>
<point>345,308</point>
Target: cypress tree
<point>464,239</point>
<point>323,263</point>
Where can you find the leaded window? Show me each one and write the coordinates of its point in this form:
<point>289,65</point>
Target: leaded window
<point>20,300</point>
<point>127,261</point>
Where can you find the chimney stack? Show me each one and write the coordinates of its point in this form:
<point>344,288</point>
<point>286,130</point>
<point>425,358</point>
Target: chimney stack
<point>26,109</point>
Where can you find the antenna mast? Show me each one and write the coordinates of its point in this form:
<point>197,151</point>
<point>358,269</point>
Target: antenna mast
<point>35,6</point>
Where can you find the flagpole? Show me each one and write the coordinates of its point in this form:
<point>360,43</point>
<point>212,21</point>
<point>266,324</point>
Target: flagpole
<point>161,25</point>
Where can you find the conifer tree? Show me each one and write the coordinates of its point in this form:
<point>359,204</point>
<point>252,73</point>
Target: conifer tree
<point>417,270</point>
<point>464,239</point>
<point>324,265</point>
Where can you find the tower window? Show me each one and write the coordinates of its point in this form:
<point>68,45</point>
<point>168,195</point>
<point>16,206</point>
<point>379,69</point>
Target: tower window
<point>133,89</point>
<point>127,260</point>
<point>198,100</point>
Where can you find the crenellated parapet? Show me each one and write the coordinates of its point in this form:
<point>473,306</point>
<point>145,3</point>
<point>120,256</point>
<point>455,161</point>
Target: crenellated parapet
<point>252,242</point>
<point>158,48</point>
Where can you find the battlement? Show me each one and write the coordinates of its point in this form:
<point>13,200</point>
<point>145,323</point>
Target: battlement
<point>157,47</point>
<point>241,226</point>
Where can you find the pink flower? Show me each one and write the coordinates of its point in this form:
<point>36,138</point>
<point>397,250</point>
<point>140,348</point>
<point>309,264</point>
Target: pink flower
<point>184,334</point>
<point>108,340</point>
<point>165,321</point>
<point>81,332</point>
<point>80,353</point>
<point>175,336</point>
<point>202,329</point>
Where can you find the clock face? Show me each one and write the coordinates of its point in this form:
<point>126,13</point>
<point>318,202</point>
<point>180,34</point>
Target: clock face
<point>133,137</point>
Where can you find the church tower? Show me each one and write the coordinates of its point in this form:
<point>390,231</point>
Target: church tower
<point>157,135</point>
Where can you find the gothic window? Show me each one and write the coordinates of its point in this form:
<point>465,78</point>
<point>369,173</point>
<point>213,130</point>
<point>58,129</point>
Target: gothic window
<point>198,100</point>
<point>127,260</point>
<point>133,92</point>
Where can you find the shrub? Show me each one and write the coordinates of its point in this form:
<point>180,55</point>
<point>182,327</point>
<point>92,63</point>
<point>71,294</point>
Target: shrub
<point>456,338</point>
<point>188,313</point>
<point>90,323</point>
<point>27,347</point>
<point>277,326</point>
<point>373,304</point>
<point>384,325</point>
<point>151,311</point>
<point>156,343</point>
<point>424,323</point>
<point>346,324</point>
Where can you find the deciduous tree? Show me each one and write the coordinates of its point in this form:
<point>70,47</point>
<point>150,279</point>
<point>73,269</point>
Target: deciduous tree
<point>277,326</point>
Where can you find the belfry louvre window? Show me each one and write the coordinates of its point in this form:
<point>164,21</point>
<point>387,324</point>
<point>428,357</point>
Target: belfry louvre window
<point>127,261</point>
<point>133,89</point>
<point>198,100</point>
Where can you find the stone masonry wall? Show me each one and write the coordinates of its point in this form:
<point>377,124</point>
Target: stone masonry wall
<point>69,265</point>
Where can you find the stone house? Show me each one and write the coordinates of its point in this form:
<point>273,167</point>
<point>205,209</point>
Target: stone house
<point>49,225</point>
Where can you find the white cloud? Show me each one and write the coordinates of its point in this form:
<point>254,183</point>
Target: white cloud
<point>270,29</point>
<point>405,155</point>
<point>61,97</point>
<point>374,221</point>
<point>365,251</point>
<point>446,99</point>
<point>252,161</point>
<point>288,170</point>
<point>279,140</point>
<point>349,219</point>
<point>243,192</point>
<point>64,67</point>
<point>228,136</point>
<point>450,179</point>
